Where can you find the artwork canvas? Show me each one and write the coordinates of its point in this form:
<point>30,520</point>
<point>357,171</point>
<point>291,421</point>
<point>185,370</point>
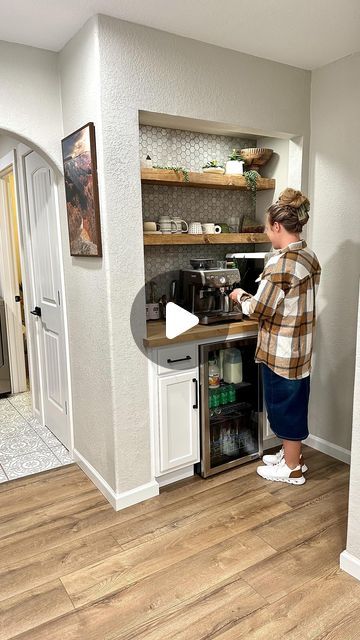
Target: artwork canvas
<point>82,195</point>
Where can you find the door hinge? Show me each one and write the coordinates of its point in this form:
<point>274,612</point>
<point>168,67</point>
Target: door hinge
<point>66,408</point>
<point>59,298</point>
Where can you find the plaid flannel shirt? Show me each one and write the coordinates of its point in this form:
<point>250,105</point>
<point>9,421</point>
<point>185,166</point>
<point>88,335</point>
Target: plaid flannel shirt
<point>284,305</point>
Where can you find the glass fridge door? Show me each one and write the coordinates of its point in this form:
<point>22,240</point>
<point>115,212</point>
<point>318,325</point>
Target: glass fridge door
<point>231,407</point>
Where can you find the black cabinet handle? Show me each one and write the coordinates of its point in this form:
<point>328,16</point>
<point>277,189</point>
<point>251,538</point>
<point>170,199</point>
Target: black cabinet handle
<point>36,312</point>
<point>169,361</point>
<point>17,299</point>
<point>196,405</point>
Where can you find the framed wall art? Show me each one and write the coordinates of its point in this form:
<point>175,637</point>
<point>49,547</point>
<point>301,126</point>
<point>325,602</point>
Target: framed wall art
<point>82,193</point>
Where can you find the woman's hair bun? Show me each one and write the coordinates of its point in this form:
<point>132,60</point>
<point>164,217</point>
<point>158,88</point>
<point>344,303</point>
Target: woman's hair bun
<point>293,198</point>
<point>296,200</point>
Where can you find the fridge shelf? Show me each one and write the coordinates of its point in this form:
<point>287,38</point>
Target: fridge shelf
<point>231,410</point>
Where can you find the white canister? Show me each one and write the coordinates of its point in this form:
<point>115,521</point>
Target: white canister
<point>235,167</point>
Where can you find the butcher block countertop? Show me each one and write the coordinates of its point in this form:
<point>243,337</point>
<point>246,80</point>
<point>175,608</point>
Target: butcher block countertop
<point>156,332</point>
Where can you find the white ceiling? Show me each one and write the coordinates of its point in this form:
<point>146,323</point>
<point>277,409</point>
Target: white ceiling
<point>303,33</point>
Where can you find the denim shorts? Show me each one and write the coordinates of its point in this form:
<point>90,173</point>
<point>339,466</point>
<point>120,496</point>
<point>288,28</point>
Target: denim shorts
<point>287,403</point>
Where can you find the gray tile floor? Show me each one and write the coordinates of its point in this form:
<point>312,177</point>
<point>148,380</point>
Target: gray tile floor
<point>26,446</point>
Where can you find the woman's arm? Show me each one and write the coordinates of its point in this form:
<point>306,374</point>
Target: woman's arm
<point>265,301</point>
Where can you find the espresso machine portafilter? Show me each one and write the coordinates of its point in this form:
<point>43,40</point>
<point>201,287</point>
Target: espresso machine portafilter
<point>205,293</point>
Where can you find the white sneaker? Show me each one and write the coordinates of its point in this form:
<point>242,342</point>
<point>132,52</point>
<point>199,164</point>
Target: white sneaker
<point>281,473</point>
<point>275,458</point>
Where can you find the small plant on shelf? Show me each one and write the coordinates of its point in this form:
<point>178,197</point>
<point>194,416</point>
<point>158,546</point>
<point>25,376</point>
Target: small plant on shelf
<point>178,170</point>
<point>236,156</point>
<point>213,166</point>
<point>235,163</point>
<point>251,178</point>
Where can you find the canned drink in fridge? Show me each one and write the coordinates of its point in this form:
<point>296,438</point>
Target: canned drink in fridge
<point>216,398</point>
<point>232,393</point>
<point>224,399</point>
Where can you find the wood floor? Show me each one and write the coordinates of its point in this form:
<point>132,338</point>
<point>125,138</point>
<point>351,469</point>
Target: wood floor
<point>230,557</point>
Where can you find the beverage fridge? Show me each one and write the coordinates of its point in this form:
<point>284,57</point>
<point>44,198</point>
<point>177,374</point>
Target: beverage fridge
<point>231,406</point>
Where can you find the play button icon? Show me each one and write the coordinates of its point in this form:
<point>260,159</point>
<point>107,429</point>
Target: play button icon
<point>178,320</point>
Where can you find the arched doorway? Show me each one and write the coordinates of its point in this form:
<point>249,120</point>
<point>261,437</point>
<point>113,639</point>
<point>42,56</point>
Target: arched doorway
<point>46,405</point>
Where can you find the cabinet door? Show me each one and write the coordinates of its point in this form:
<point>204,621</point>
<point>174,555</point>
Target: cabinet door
<point>178,420</point>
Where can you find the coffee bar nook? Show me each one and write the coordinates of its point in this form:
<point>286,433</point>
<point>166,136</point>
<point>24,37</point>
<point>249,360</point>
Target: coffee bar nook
<point>204,196</point>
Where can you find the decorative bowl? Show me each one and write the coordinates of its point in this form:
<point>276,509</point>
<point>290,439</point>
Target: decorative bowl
<point>256,157</point>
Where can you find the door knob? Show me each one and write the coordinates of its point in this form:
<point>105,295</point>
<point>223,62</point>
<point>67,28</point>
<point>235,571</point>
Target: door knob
<point>36,312</point>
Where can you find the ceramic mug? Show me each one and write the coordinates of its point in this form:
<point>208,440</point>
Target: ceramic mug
<point>210,227</point>
<point>151,226</point>
<point>195,228</point>
<point>167,224</point>
<point>179,225</point>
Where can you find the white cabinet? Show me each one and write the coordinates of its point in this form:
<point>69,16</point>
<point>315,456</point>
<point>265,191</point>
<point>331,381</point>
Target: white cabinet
<point>178,395</point>
<point>174,411</point>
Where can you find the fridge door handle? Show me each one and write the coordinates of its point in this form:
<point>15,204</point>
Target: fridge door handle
<point>196,405</point>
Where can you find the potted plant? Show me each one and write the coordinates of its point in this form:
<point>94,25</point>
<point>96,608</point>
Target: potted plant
<point>213,166</point>
<point>235,163</point>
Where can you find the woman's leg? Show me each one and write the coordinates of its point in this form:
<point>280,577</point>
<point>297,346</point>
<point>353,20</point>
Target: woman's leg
<point>292,449</point>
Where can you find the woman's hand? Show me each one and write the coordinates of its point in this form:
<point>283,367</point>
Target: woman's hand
<point>235,293</point>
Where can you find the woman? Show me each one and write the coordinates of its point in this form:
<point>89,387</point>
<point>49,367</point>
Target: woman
<point>284,305</point>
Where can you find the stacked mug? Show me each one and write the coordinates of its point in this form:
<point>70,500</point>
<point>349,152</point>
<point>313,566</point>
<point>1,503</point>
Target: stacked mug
<point>172,225</point>
<point>167,225</point>
<point>177,225</point>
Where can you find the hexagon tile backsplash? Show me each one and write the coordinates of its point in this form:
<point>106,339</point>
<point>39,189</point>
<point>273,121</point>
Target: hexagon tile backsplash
<point>173,147</point>
<point>189,149</point>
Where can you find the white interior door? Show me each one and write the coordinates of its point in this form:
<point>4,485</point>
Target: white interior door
<point>47,311</point>
<point>9,273</point>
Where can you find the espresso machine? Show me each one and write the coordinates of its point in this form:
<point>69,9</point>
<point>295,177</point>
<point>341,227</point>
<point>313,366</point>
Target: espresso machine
<point>205,293</point>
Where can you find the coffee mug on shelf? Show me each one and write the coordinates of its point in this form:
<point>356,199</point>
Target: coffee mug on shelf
<point>195,228</point>
<point>179,225</point>
<point>151,226</point>
<point>210,227</point>
<point>167,224</point>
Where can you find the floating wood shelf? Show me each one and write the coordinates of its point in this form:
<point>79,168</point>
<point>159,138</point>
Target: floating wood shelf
<point>167,177</point>
<point>217,238</point>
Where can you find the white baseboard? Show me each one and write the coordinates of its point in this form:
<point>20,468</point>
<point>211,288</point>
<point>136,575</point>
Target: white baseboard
<point>329,448</point>
<point>350,564</point>
<point>117,500</point>
<point>175,476</point>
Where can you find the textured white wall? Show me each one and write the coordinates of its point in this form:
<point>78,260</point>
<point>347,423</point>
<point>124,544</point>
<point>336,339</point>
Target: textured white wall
<point>353,537</point>
<point>88,294</point>
<point>30,104</point>
<point>146,69</point>
<point>334,234</point>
